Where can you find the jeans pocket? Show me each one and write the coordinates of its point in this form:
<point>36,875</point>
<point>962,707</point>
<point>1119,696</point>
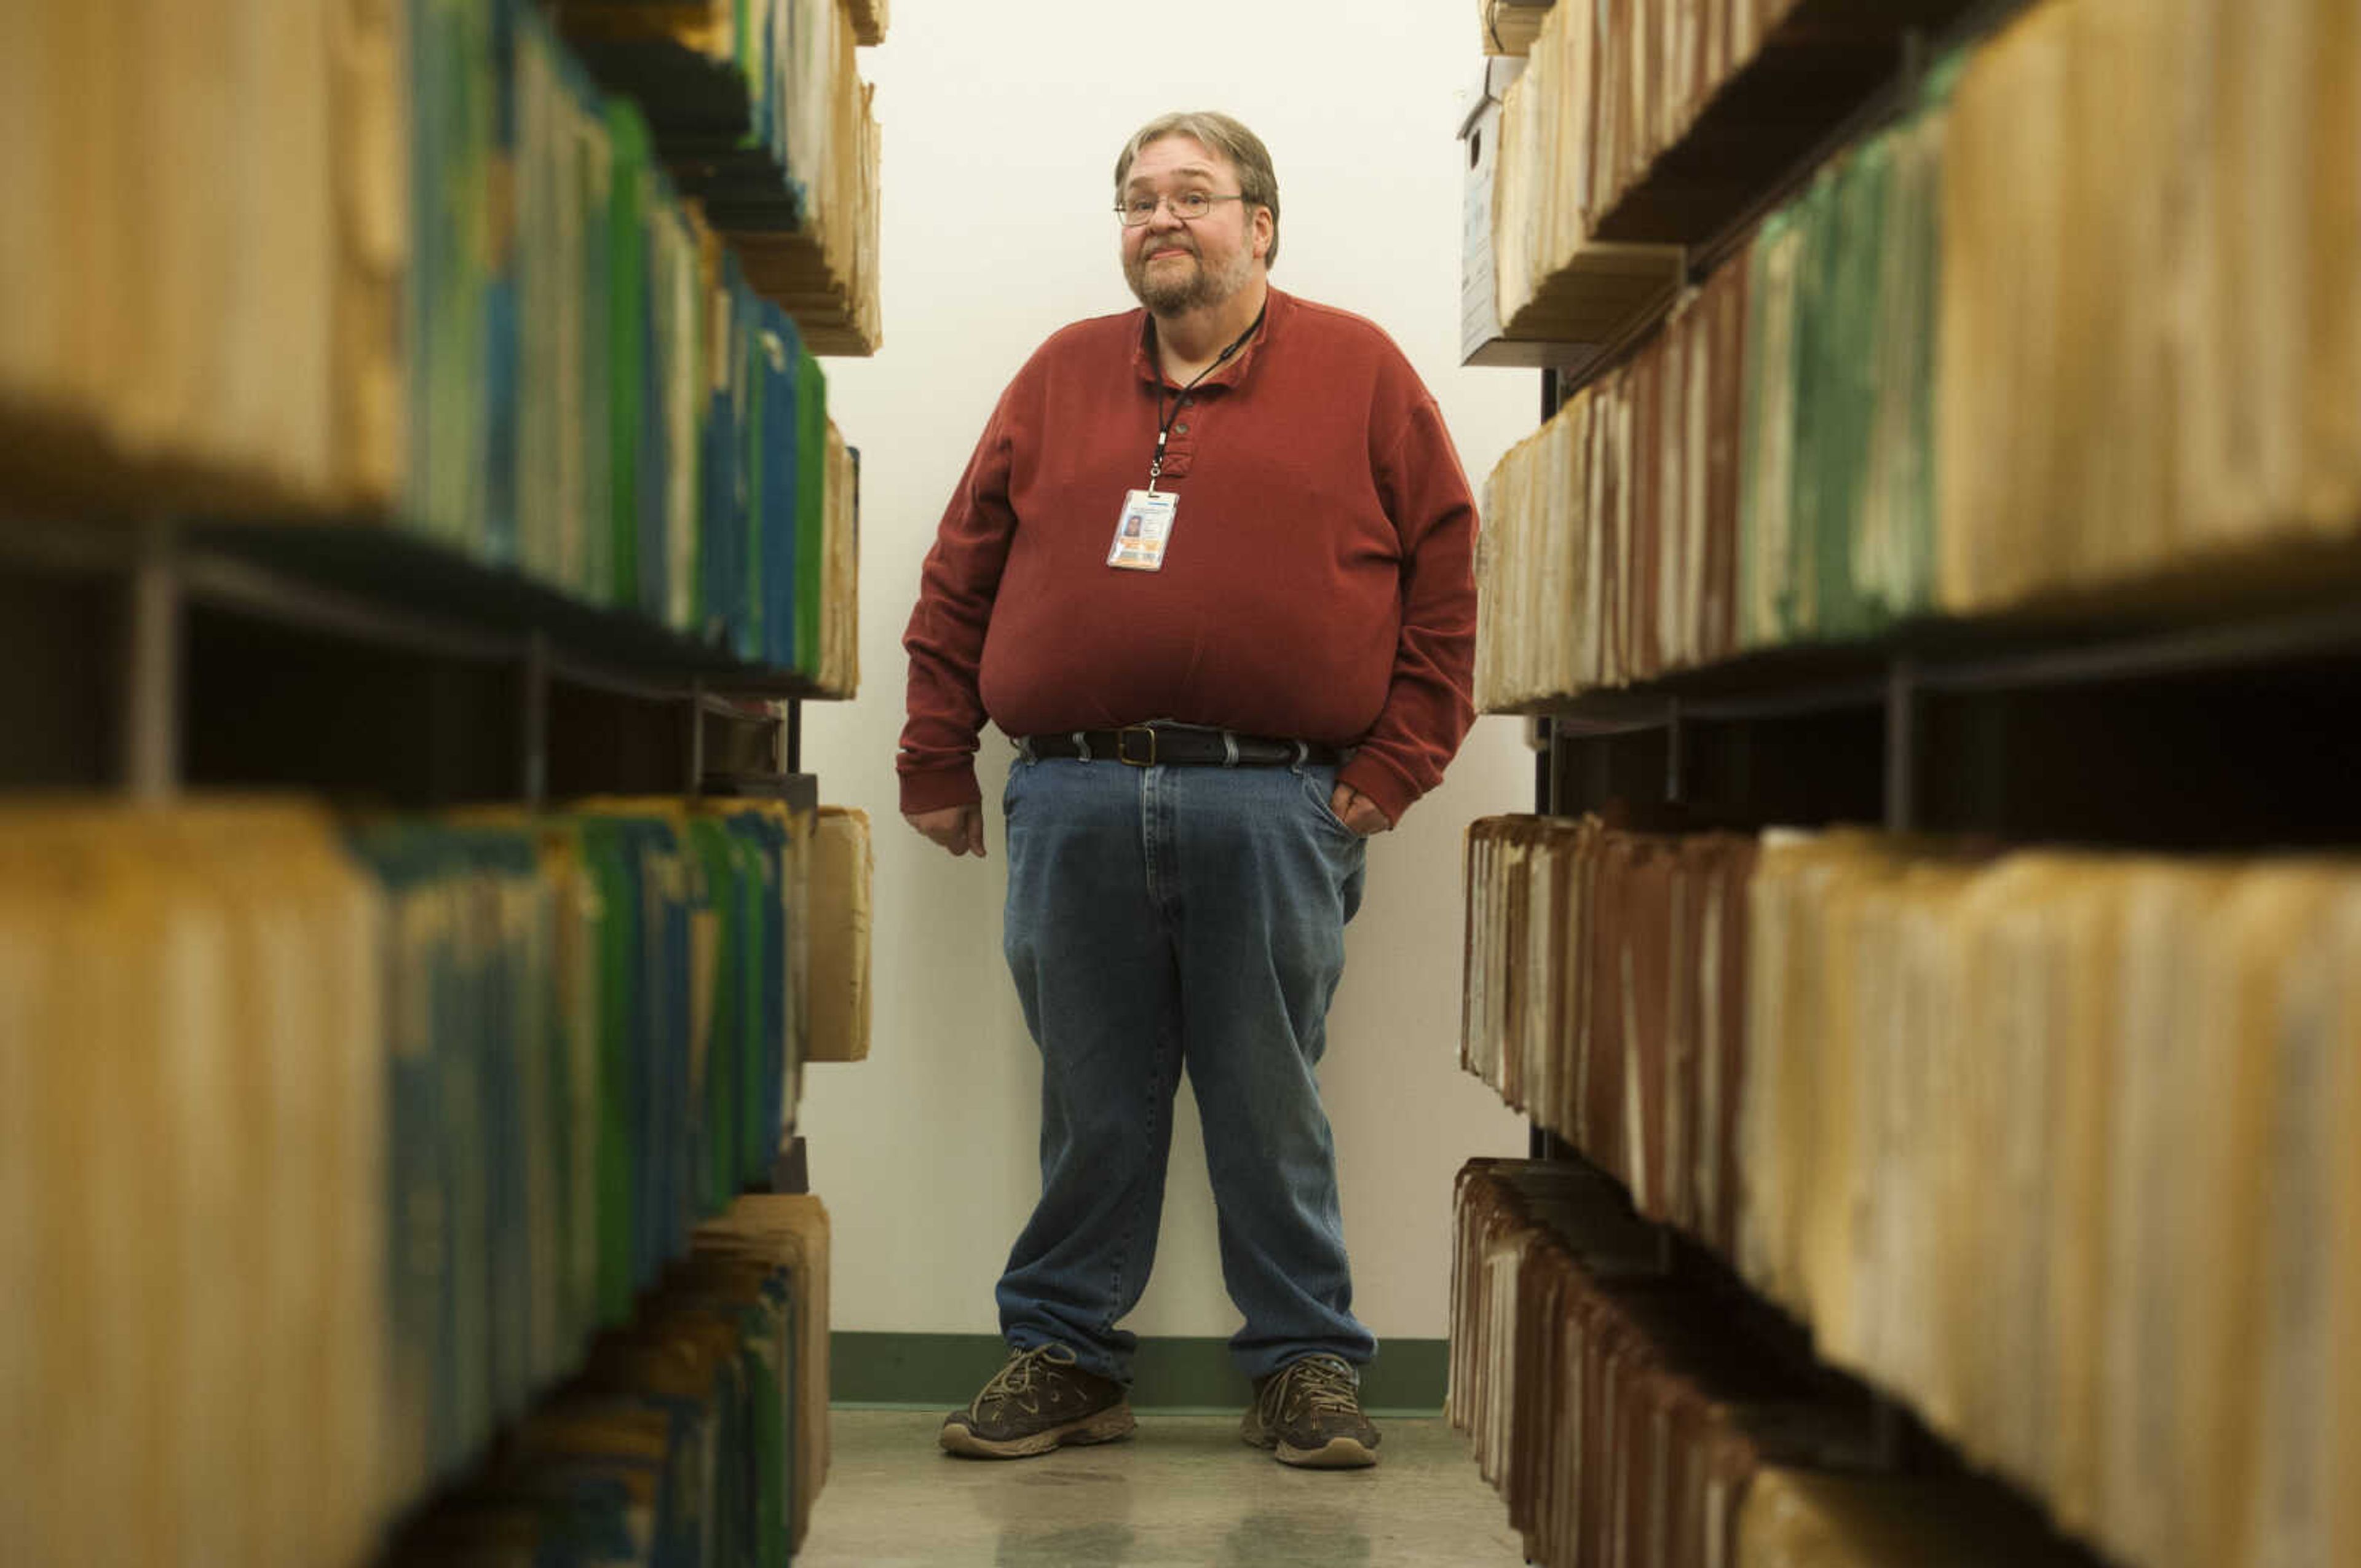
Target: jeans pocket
<point>1317,788</point>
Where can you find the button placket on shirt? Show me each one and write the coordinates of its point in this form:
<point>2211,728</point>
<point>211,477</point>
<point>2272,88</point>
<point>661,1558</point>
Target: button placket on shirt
<point>1180,446</point>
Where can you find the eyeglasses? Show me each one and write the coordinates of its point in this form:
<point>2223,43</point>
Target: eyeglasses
<point>1188,206</point>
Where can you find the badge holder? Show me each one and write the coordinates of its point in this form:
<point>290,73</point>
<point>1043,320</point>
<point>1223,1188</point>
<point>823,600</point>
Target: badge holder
<point>1144,529</point>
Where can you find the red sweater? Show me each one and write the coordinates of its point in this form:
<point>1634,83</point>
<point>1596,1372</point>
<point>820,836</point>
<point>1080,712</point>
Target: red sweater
<point>1318,584</point>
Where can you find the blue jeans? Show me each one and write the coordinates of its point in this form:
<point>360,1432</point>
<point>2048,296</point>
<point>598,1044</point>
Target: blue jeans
<point>1168,918</point>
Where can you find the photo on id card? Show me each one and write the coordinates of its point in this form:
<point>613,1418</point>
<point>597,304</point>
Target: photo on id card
<point>1141,534</point>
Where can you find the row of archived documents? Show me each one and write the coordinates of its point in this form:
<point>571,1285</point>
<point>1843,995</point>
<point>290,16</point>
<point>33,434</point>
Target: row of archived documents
<point>2054,1146</point>
<point>697,1436</point>
<point>421,271</point>
<point>398,1116</point>
<point>1613,87</point>
<point>1629,1419</point>
<point>796,186</point>
<point>2079,327</point>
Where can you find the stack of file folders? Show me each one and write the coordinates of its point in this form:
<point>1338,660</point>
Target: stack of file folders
<point>201,272</point>
<point>422,271</point>
<point>1604,996</point>
<point>1762,471</point>
<point>2075,333</point>
<point>869,19</point>
<point>1837,500</point>
<point>841,871</point>
<point>2054,1146</point>
<point>696,1437</point>
<point>1630,1415</point>
<point>1551,278</point>
<point>1509,27</point>
<point>2158,373</point>
<point>672,451</point>
<point>1616,91</point>
<point>805,216</point>
<point>2059,1146</point>
<point>1611,546</point>
<point>394,1116</point>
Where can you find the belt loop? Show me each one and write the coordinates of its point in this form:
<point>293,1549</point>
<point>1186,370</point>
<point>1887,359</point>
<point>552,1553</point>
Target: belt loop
<point>1229,750</point>
<point>1024,749</point>
<point>1302,755</point>
<point>1082,745</point>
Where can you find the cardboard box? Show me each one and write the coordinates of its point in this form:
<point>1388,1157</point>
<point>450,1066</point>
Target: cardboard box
<point>842,867</point>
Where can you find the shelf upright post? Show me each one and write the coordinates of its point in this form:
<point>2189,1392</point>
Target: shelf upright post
<point>791,1167</point>
<point>1885,1430</point>
<point>1917,51</point>
<point>1549,799</point>
<point>1541,1144</point>
<point>696,736</point>
<point>1672,738</point>
<point>533,759</point>
<point>1550,786</point>
<point>795,735</point>
<point>1902,745</point>
<point>1549,796</point>
<point>150,741</point>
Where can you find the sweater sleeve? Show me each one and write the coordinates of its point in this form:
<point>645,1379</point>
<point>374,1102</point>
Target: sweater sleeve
<point>1429,705</point>
<point>944,640</point>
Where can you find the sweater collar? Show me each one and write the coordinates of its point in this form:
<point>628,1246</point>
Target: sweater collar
<point>1277,307</point>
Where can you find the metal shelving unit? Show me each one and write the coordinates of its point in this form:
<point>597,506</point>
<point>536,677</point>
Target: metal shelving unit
<point>2204,719</point>
<point>2234,731</point>
<point>363,660</point>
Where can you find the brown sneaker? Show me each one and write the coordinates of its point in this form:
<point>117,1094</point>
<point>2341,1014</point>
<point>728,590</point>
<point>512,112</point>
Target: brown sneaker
<point>1309,1412</point>
<point>1038,1401</point>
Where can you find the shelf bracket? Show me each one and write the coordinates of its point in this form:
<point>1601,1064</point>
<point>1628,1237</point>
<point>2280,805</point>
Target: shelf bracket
<point>152,642</point>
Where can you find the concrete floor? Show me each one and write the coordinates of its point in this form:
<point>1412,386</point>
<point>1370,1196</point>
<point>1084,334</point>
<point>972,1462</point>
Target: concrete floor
<point>1182,1491</point>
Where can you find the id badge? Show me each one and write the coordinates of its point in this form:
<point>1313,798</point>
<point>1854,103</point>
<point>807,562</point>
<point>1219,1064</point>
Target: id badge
<point>1143,530</point>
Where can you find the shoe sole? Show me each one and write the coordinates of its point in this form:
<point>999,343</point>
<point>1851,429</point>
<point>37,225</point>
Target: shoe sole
<point>1339,1453</point>
<point>1106,1426</point>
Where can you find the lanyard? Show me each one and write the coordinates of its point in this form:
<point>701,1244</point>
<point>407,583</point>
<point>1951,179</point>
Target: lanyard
<point>1164,421</point>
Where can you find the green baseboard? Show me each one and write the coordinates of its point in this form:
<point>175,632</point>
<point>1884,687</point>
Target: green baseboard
<point>943,1372</point>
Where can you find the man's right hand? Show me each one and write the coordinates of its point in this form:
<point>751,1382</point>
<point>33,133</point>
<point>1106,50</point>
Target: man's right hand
<point>958,828</point>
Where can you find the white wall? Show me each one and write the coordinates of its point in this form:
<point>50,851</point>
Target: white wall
<point>1002,123</point>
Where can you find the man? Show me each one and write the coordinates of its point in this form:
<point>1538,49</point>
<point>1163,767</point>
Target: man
<point>1211,567</point>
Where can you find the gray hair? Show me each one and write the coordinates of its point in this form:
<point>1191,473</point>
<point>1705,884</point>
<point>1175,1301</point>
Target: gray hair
<point>1243,150</point>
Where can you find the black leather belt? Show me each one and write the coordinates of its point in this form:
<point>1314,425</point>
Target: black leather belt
<point>1150,745</point>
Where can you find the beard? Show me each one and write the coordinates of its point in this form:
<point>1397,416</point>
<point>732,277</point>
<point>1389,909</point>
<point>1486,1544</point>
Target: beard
<point>1176,291</point>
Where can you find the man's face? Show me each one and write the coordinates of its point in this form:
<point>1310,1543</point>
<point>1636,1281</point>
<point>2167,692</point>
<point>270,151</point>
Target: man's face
<point>1175,266</point>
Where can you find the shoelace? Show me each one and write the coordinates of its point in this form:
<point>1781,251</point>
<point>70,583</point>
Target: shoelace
<point>1015,1379</point>
<point>1319,1383</point>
